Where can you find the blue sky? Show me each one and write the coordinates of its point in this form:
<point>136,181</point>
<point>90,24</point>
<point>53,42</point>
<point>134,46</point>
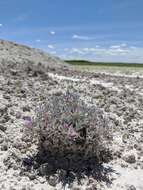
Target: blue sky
<point>101,30</point>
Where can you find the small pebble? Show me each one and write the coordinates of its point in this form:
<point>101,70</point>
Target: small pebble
<point>18,115</point>
<point>53,180</point>
<point>31,176</point>
<point>132,187</point>
<point>26,109</point>
<point>130,158</point>
<point>3,128</point>
<point>4,147</point>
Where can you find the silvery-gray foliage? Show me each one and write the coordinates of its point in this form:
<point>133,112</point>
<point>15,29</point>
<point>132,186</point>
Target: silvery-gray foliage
<point>65,124</point>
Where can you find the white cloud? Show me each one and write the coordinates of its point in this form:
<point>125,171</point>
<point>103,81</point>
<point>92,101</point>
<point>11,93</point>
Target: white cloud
<point>53,52</point>
<point>119,53</point>
<point>133,47</point>
<point>100,51</point>
<point>119,50</point>
<point>78,37</point>
<point>86,49</point>
<point>52,32</point>
<point>89,49</point>
<point>124,45</point>
<point>51,46</point>
<point>76,50</point>
<point>38,40</point>
<point>66,49</point>
<point>115,46</point>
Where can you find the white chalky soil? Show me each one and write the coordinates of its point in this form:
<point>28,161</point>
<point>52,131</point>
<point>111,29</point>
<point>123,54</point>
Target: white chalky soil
<point>120,97</point>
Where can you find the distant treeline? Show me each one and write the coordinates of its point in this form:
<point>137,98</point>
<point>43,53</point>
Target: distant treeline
<point>87,63</point>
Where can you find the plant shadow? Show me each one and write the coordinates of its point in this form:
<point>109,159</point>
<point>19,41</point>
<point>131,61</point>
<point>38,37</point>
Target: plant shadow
<point>68,168</point>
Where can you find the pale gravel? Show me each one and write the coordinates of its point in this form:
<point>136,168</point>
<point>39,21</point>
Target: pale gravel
<point>125,174</point>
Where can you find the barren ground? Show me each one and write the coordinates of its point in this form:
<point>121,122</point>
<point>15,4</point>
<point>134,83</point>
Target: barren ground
<point>23,85</point>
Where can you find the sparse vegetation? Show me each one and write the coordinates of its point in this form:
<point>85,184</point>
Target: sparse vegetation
<point>107,67</point>
<point>112,64</point>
